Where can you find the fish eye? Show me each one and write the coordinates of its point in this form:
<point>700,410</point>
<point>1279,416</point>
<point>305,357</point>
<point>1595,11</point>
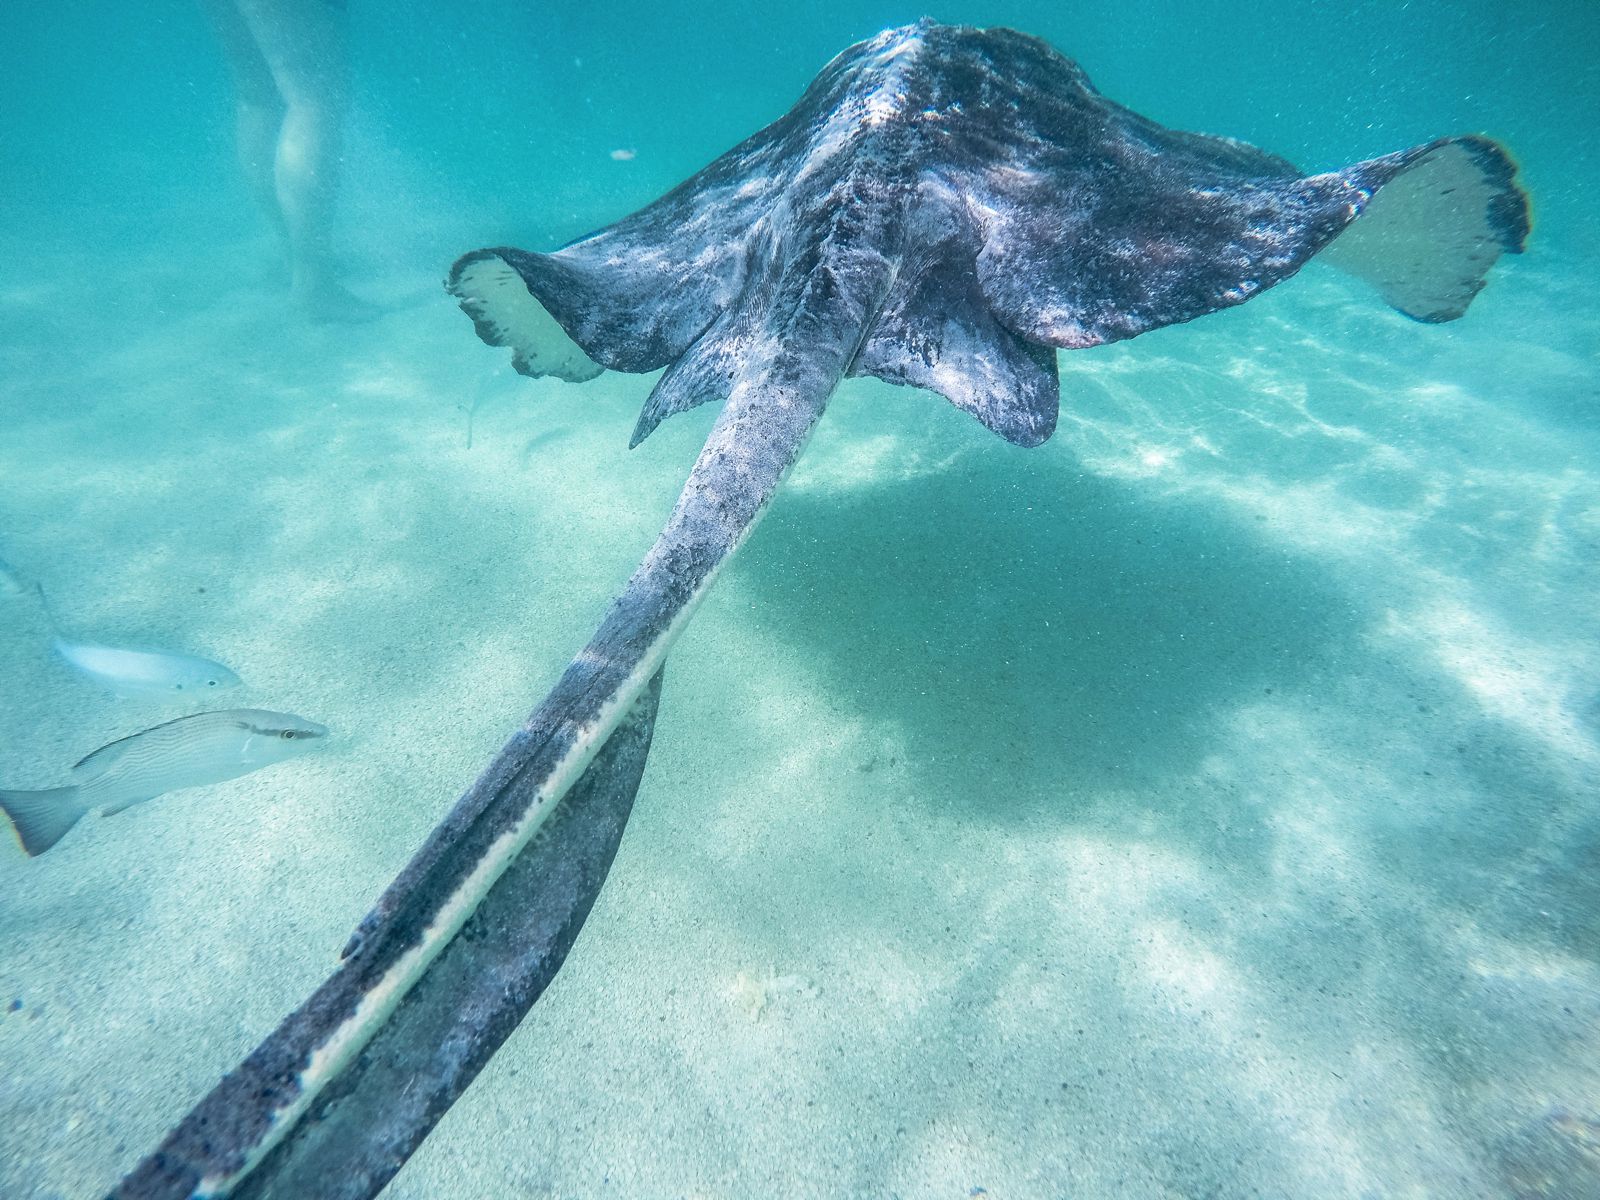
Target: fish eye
<point>287,733</point>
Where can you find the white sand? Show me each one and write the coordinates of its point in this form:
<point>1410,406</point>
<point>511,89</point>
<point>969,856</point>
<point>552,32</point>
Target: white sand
<point>1203,804</point>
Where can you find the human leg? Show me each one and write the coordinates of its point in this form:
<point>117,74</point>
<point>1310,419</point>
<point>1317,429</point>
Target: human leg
<point>304,44</point>
<point>259,107</point>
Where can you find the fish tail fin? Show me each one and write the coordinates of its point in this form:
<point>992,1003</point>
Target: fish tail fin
<point>42,819</point>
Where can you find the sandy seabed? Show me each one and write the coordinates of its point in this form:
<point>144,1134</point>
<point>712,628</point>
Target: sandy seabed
<point>1203,804</point>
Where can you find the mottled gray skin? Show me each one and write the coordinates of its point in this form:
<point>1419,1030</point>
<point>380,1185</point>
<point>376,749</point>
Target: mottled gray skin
<point>943,207</point>
<point>972,196</point>
<point>363,1128</point>
<point>367,1124</point>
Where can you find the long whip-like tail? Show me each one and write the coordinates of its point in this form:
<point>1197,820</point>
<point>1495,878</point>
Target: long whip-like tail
<point>371,1025</point>
<point>365,1125</point>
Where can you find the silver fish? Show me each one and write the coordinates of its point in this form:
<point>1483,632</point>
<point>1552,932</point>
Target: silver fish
<point>137,672</point>
<point>189,752</point>
<point>145,672</point>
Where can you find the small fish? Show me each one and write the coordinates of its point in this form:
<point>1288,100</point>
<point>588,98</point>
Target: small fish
<point>190,752</point>
<point>145,672</point>
<point>624,155</point>
<point>138,672</point>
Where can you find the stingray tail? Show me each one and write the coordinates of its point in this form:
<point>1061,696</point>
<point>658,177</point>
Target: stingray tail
<point>759,435</point>
<point>465,898</point>
<point>41,819</point>
<point>266,1132</point>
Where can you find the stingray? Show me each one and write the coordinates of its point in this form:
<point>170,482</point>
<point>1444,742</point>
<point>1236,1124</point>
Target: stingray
<point>945,207</point>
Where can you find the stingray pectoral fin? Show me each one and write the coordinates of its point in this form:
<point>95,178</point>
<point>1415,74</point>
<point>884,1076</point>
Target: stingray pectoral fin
<point>1439,217</point>
<point>1145,227</point>
<point>596,304</point>
<point>1158,226</point>
<point>506,313</point>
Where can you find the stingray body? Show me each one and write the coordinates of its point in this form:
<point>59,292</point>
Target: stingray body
<point>945,207</point>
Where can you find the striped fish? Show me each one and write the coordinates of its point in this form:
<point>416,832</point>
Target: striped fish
<point>189,752</point>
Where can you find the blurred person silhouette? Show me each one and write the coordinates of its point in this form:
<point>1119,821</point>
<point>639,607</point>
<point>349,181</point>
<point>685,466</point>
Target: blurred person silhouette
<point>291,71</point>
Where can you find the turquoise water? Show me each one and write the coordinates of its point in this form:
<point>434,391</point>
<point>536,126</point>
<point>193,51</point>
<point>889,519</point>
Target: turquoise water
<point>1202,804</point>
